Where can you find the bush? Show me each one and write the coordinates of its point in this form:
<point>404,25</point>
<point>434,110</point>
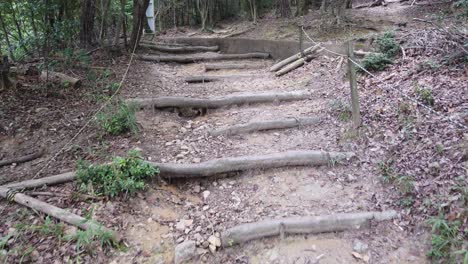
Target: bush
<point>123,175</point>
<point>447,241</point>
<point>387,45</point>
<point>425,95</point>
<point>118,119</point>
<point>376,62</point>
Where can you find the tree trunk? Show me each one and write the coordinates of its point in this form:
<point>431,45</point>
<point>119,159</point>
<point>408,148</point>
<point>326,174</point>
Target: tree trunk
<point>202,6</point>
<point>139,18</point>
<point>5,82</point>
<point>7,39</point>
<point>282,8</point>
<point>87,22</point>
<point>334,8</point>
<point>105,11</point>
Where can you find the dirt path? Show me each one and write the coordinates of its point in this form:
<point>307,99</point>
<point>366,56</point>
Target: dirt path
<point>171,213</point>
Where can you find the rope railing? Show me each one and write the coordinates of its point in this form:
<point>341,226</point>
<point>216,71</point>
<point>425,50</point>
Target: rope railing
<point>387,85</point>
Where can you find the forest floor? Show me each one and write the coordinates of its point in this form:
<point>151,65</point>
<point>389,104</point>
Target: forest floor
<point>398,137</point>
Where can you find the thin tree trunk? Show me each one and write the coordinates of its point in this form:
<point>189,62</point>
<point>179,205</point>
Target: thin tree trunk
<point>33,25</point>
<point>7,39</point>
<point>139,18</point>
<point>124,21</point>
<point>282,8</point>
<point>87,22</point>
<point>18,27</point>
<point>104,13</point>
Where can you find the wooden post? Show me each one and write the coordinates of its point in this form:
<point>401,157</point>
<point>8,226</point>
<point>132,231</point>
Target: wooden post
<point>301,36</point>
<point>353,85</point>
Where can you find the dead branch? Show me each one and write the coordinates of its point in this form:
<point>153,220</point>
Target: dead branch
<point>217,102</point>
<point>301,225</point>
<point>56,212</point>
<point>203,57</point>
<point>47,181</point>
<point>266,125</point>
<point>22,159</point>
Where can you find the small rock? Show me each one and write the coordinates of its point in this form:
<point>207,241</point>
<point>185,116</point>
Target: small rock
<point>359,246</point>
<point>196,160</point>
<point>212,248</point>
<point>198,237</point>
<point>196,188</point>
<point>183,130</point>
<point>205,244</point>
<point>70,231</point>
<point>180,240</point>
<point>185,252</point>
<point>206,207</point>
<point>213,240</point>
<point>180,226</point>
<point>188,222</point>
<point>206,194</point>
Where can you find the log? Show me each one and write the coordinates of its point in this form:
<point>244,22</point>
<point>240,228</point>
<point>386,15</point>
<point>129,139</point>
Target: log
<point>265,125</point>
<point>164,43</point>
<point>203,57</point>
<point>236,164</point>
<point>217,102</point>
<point>222,66</point>
<point>294,65</point>
<point>301,225</point>
<point>213,167</point>
<point>183,49</point>
<point>22,159</point>
<point>59,77</point>
<point>57,212</point>
<point>293,58</point>
<point>213,78</point>
<point>47,181</point>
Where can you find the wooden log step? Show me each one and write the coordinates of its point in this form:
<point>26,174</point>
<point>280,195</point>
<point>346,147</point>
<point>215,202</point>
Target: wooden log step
<point>229,66</point>
<point>301,225</point>
<point>265,125</point>
<point>294,65</point>
<point>217,102</point>
<point>293,58</point>
<point>213,78</point>
<point>203,57</point>
<point>216,166</point>
<point>182,49</point>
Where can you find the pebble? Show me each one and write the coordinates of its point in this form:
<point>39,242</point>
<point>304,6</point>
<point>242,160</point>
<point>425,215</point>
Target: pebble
<point>213,240</point>
<point>359,246</point>
<point>196,188</point>
<point>206,194</point>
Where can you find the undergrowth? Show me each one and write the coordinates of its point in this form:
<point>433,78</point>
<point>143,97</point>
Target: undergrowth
<point>448,241</point>
<point>123,176</point>
<point>118,118</point>
<point>387,49</point>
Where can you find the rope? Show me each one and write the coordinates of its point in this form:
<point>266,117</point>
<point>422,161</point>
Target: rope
<point>10,195</point>
<point>95,113</point>
<point>390,86</point>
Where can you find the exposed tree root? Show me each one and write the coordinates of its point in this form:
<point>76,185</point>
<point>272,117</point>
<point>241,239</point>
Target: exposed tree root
<point>301,225</point>
<point>204,57</point>
<point>265,125</point>
<point>183,49</point>
<point>224,66</point>
<point>293,58</point>
<point>216,166</point>
<point>56,212</point>
<point>213,78</point>
<point>217,102</point>
<point>22,159</point>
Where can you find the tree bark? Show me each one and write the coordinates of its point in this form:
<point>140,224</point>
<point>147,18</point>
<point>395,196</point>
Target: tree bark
<point>7,38</point>
<point>301,225</point>
<point>5,82</point>
<point>139,20</point>
<point>213,78</point>
<point>87,23</point>
<point>218,102</point>
<point>282,8</point>
<point>184,49</point>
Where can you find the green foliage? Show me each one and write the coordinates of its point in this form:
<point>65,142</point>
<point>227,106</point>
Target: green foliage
<point>425,95</point>
<point>404,184</point>
<point>89,238</point>
<point>118,118</point>
<point>387,171</point>
<point>462,5</point>
<point>376,62</point>
<point>387,45</point>
<point>48,228</point>
<point>123,175</point>
<point>447,241</point>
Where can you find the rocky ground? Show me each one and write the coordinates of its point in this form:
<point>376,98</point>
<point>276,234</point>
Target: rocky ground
<point>184,218</point>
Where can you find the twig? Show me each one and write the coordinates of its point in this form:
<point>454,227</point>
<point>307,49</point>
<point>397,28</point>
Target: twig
<point>22,159</point>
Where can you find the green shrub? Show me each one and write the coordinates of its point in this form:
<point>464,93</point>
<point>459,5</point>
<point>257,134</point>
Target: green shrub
<point>118,118</point>
<point>342,110</point>
<point>387,45</point>
<point>425,95</point>
<point>122,176</point>
<point>447,241</point>
<point>376,62</point>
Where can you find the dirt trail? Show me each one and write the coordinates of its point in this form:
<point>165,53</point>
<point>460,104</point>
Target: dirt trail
<point>195,210</point>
